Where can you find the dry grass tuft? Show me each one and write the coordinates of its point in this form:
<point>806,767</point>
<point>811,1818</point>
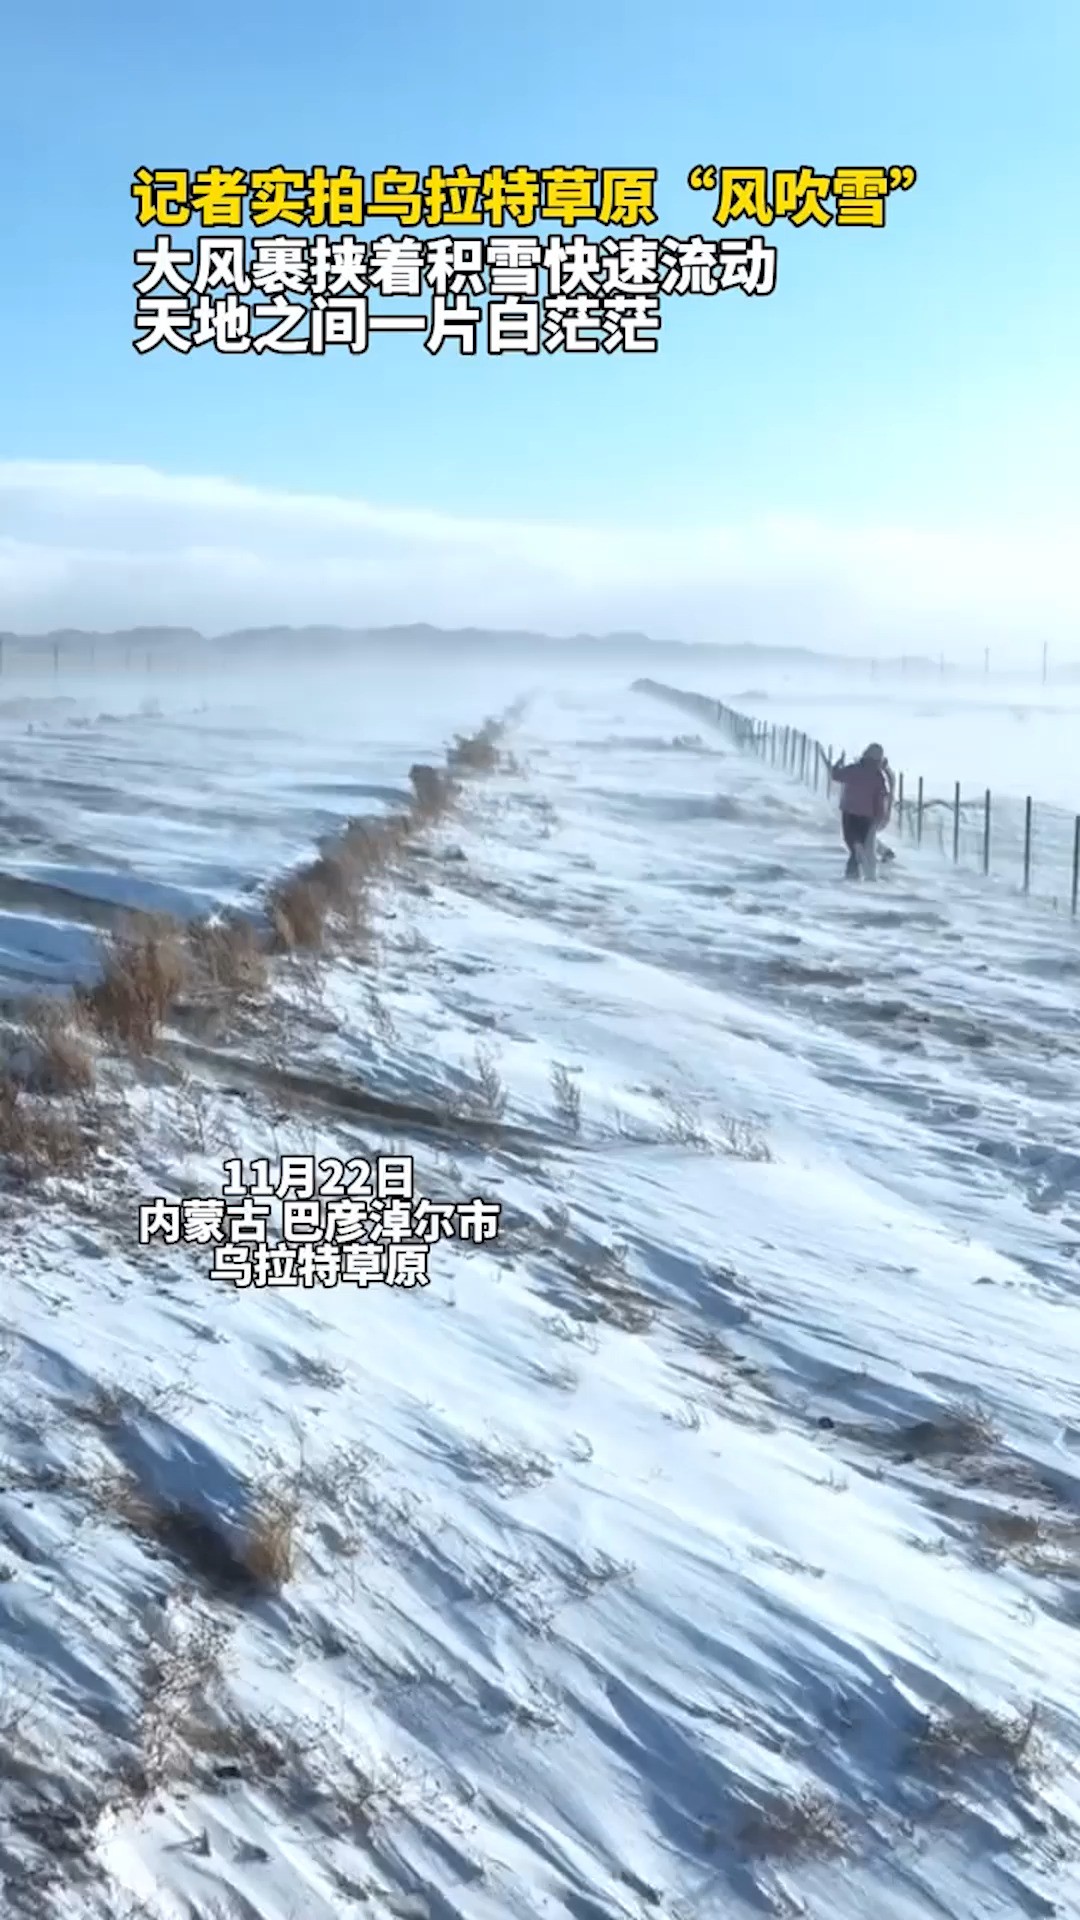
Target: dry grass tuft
<point>476,752</point>
<point>62,1056</point>
<point>735,1139</point>
<point>262,1560</point>
<point>957,1433</point>
<point>271,1547</point>
<point>683,1126</point>
<point>741,1140</point>
<point>487,1097</point>
<point>181,1676</point>
<point>969,1735</point>
<point>566,1094</point>
<point>298,909</point>
<point>146,967</point>
<point>336,874</point>
<point>803,1826</point>
<point>37,1139</point>
<point>335,887</point>
<point>509,1464</point>
<point>373,844</point>
<point>1041,1543</point>
<point>230,954</point>
<point>434,791</point>
<point>604,1290</point>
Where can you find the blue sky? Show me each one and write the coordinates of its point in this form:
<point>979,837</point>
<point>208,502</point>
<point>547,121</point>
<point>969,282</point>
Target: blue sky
<point>922,378</point>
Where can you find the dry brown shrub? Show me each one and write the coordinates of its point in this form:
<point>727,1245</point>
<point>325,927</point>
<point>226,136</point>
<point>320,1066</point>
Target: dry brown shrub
<point>270,1550</point>
<point>373,844</point>
<point>476,752</point>
<point>230,954</point>
<point>146,967</point>
<point>62,1057</point>
<point>298,908</point>
<point>967,1735</point>
<point>337,874</point>
<point>37,1138</point>
<point>434,790</point>
<point>790,1827</point>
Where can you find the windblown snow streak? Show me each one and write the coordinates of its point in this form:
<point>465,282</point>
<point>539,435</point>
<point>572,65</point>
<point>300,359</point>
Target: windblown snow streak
<point>710,1546</point>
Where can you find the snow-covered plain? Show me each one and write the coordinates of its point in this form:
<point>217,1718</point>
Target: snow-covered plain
<point>1012,736</point>
<point>708,1546</point>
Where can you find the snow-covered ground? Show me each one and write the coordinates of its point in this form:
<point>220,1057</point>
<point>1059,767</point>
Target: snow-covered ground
<point>1012,737</point>
<point>710,1544</point>
<point>184,796</point>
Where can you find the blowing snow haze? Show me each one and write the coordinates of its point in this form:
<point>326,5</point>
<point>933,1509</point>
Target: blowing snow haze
<point>386,645</point>
<point>110,547</point>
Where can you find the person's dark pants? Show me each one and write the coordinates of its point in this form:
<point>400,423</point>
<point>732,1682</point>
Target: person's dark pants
<point>857,830</point>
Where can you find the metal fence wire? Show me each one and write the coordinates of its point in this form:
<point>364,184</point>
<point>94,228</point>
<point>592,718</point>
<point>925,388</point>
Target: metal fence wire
<point>1035,846</point>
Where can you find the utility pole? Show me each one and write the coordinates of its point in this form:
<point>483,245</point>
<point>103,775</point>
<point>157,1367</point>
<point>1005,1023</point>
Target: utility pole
<point>1046,654</point>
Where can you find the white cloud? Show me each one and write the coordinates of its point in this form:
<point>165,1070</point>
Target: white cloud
<point>109,546</point>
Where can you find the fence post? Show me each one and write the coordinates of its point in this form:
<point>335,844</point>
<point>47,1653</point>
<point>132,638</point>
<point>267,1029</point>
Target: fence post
<point>956,826</point>
<point>900,803</point>
<point>1076,862</point>
<point>919,815</point>
<point>1027,844</point>
<point>986,834</point>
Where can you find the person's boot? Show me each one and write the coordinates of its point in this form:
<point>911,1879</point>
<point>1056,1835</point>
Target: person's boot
<point>851,871</point>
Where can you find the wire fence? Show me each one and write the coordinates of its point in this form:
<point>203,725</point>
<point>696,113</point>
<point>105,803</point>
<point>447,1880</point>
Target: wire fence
<point>60,658</point>
<point>1034,846</point>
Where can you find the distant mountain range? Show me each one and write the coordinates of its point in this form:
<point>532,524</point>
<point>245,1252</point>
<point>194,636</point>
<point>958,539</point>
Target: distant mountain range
<point>461,642</point>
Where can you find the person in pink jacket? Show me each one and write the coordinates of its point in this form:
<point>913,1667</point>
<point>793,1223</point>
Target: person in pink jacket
<point>865,807</point>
